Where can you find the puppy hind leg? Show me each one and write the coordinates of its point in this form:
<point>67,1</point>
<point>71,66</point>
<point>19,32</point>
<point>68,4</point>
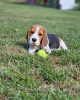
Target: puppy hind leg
<point>63,45</point>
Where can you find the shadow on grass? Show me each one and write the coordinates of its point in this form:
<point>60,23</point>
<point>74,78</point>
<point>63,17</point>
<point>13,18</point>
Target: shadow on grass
<point>22,44</point>
<point>28,3</point>
<point>24,3</point>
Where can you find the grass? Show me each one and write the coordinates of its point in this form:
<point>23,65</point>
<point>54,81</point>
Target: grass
<point>26,77</point>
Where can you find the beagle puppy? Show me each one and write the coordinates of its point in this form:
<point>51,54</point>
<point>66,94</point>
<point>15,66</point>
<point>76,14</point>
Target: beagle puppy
<point>38,39</point>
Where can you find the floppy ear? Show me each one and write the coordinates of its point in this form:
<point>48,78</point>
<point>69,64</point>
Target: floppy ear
<point>44,41</point>
<point>28,37</point>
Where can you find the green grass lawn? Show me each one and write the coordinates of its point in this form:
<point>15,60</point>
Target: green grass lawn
<point>26,77</point>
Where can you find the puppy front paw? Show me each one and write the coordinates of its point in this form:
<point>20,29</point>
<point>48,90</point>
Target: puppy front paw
<point>31,52</point>
<point>48,51</point>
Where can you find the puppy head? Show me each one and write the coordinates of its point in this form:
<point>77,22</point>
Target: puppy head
<point>37,36</point>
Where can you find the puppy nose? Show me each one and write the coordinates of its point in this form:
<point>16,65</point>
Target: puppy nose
<point>34,39</point>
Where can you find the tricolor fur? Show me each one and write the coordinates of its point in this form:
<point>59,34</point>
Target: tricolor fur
<point>38,39</point>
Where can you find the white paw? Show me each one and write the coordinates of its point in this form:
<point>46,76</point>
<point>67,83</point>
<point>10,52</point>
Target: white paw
<point>31,51</point>
<point>48,51</point>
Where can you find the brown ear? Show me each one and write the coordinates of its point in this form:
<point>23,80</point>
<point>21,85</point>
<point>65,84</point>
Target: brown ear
<point>28,37</point>
<point>44,41</point>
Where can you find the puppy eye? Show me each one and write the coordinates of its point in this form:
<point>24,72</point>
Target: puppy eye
<point>40,34</point>
<point>32,32</point>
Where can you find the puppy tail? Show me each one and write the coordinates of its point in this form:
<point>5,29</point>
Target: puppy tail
<point>62,44</point>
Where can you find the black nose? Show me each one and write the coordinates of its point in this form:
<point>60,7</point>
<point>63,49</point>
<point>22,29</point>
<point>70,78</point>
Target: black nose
<point>34,39</point>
